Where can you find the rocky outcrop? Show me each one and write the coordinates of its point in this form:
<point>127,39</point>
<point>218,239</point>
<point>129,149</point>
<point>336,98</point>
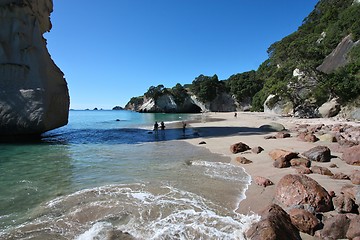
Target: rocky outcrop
<point>338,57</point>
<point>275,105</point>
<point>33,92</point>
<point>191,104</point>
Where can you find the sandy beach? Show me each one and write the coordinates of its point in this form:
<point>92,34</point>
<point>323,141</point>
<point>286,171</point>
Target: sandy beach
<point>220,135</point>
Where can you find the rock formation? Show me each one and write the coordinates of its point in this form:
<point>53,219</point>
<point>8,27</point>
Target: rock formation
<point>34,96</point>
<point>337,58</point>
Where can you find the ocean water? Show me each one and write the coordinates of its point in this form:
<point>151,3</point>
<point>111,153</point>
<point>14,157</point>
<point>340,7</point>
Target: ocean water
<point>107,171</point>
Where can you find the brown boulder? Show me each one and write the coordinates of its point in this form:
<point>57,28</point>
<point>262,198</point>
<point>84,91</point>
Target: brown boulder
<point>318,154</point>
<point>335,227</point>
<point>307,137</point>
<point>303,170</point>
<point>352,155</point>
<point>344,204</point>
<point>355,177</point>
<point>280,153</point>
<point>263,182</point>
<point>354,228</point>
<point>281,163</point>
<point>353,192</point>
<point>239,147</point>
<point>296,189</point>
<point>304,221</point>
<point>321,170</point>
<point>257,149</point>
<point>300,162</point>
<point>275,224</point>
<point>243,160</point>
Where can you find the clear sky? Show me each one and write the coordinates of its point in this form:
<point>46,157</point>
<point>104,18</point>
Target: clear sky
<point>113,50</point>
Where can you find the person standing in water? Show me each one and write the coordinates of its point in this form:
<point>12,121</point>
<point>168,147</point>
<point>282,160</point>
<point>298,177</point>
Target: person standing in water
<point>156,127</point>
<point>183,127</point>
<point>162,126</point>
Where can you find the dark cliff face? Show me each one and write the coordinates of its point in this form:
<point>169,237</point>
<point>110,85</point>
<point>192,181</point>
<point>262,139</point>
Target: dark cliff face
<point>34,95</point>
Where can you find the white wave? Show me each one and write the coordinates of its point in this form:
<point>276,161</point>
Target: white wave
<point>225,171</point>
<point>97,231</point>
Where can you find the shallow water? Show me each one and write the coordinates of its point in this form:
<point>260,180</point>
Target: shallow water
<point>107,172</point>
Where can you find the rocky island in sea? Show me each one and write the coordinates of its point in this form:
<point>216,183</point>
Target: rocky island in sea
<point>34,95</point>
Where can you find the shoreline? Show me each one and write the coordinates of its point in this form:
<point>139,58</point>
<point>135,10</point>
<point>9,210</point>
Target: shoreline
<point>220,135</point>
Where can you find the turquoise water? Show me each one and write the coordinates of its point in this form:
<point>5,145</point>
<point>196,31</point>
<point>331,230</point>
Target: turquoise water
<point>108,171</point>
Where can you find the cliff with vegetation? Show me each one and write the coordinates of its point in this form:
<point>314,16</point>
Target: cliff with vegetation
<point>312,72</point>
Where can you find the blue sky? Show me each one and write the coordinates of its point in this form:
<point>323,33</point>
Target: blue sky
<point>114,50</point>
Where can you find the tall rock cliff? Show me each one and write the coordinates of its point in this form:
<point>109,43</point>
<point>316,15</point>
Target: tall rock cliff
<point>34,95</point>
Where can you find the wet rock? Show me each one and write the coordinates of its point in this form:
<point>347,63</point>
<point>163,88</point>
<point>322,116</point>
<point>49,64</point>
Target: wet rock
<point>257,150</point>
<point>243,160</point>
<point>239,147</point>
<point>318,154</point>
<point>355,177</point>
<point>295,189</point>
<point>280,153</point>
<point>304,221</point>
<point>352,155</point>
<point>335,227</point>
<point>354,228</point>
<point>262,181</point>
<point>344,204</point>
<point>202,143</point>
<point>300,162</point>
<point>321,170</point>
<point>275,224</point>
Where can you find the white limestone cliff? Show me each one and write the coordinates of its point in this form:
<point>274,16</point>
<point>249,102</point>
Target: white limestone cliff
<point>34,95</point>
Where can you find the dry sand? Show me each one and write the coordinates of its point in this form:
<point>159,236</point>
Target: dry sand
<point>219,135</point>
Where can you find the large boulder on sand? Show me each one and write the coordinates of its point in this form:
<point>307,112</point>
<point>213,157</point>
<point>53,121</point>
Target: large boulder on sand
<point>239,147</point>
<point>293,190</point>
<point>352,155</point>
<point>274,224</point>
<point>329,109</point>
<point>318,154</point>
<point>34,95</point>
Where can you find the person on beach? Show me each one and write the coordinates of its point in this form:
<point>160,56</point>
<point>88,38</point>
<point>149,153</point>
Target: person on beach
<point>156,127</point>
<point>183,127</point>
<point>162,125</point>
<point>235,114</point>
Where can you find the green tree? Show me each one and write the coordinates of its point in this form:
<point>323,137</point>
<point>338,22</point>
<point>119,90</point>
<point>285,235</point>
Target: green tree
<point>207,88</point>
<point>244,85</point>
